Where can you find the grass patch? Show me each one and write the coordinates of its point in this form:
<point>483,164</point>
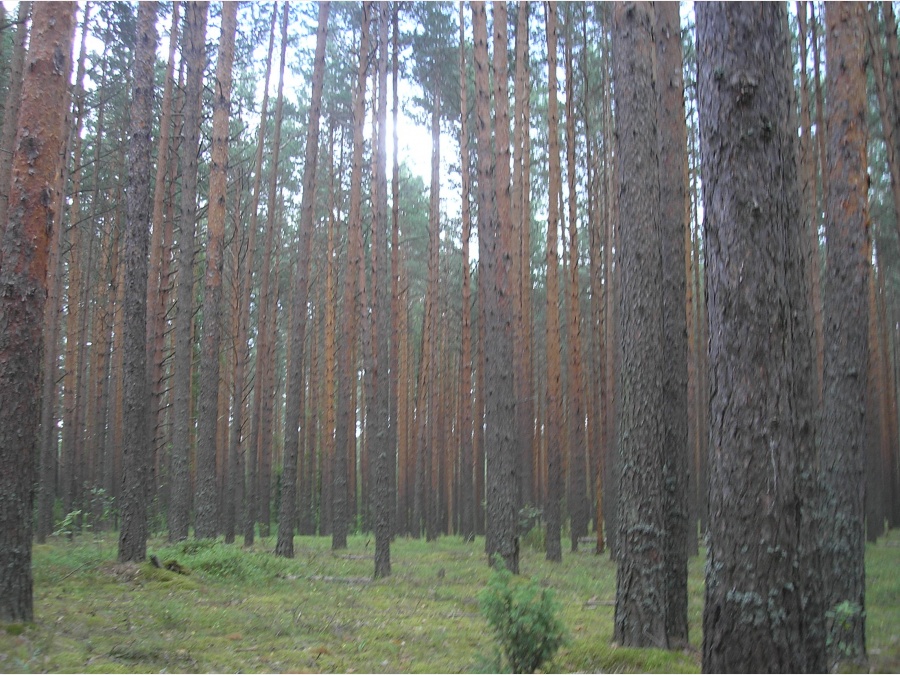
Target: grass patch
<point>249,611</point>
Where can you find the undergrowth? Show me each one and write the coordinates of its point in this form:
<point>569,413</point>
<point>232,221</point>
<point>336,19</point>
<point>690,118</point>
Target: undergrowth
<point>250,611</point>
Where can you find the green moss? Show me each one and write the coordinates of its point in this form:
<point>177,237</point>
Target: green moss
<point>249,611</point>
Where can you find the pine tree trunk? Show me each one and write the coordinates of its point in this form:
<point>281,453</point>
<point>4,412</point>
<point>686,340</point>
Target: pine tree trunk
<point>206,523</point>
<point>763,608</point>
<point>24,252</point>
<point>293,410</point>
<point>640,580</point>
<point>136,469</point>
<point>194,54</point>
<point>842,440</point>
<point>579,509</point>
<point>554,417</point>
<point>673,225</point>
<point>346,413</point>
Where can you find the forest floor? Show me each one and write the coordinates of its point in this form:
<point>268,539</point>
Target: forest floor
<point>248,611</point>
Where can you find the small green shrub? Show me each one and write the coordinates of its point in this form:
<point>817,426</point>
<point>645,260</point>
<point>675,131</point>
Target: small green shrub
<point>524,619</point>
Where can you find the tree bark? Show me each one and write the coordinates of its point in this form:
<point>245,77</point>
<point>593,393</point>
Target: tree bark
<point>673,225</point>
<point>293,412</point>
<point>346,413</point>
<point>846,333</point>
<point>763,609</point>
<point>194,55</point>
<point>136,469</point>
<point>554,415</point>
<point>206,522</point>
<point>640,581</point>
<point>24,251</point>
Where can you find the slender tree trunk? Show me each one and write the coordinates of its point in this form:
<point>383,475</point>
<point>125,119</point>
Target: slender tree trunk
<point>206,523</point>
<point>346,414</point>
<point>467,492</point>
<point>261,439</point>
<point>673,224</point>
<point>24,252</point>
<point>136,467</point>
<point>843,429</point>
<point>293,411</point>
<point>246,447</point>
<point>395,433</point>
<point>496,230</point>
<point>554,419</point>
<point>194,54</point>
<point>578,498</point>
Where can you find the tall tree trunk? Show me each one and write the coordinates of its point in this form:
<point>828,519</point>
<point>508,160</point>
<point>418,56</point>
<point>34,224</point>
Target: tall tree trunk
<point>763,608</point>
<point>843,429</point>
<point>136,467</point>
<point>293,412</point>
<point>467,491</point>
<point>383,454</point>
<point>206,524</point>
<point>346,413</point>
<point>24,252</point>
<point>261,440</point>
<point>242,445</point>
<point>578,503</point>
<point>554,418</point>
<point>159,259</point>
<point>495,234</point>
<point>640,616</point>
<point>673,224</point>
<point>194,55</point>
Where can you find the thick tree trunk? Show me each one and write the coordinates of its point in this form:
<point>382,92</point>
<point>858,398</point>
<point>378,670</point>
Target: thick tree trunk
<point>673,225</point>
<point>640,582</point>
<point>763,607</point>
<point>24,252</point>
<point>194,55</point>
<point>136,469</point>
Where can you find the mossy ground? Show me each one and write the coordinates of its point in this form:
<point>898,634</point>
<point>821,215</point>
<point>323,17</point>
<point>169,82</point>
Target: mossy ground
<point>246,610</point>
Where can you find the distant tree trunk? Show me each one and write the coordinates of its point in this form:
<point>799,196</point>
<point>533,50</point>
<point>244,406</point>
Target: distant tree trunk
<point>495,231</point>
<point>396,433</point>
<point>578,498</point>
<point>243,446</point>
<point>467,491</point>
<point>846,332</point>
<point>382,453</point>
<point>194,54</point>
<point>206,523</point>
<point>11,109</point>
<point>136,465</point>
<point>763,608</point>
<point>264,394</point>
<point>24,251</point>
<point>815,272</point>
<point>159,259</point>
<point>640,616</point>
<point>673,224</point>
<point>874,491</point>
<point>554,419</point>
<point>525,387</point>
<point>346,413</point>
<point>293,412</point>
